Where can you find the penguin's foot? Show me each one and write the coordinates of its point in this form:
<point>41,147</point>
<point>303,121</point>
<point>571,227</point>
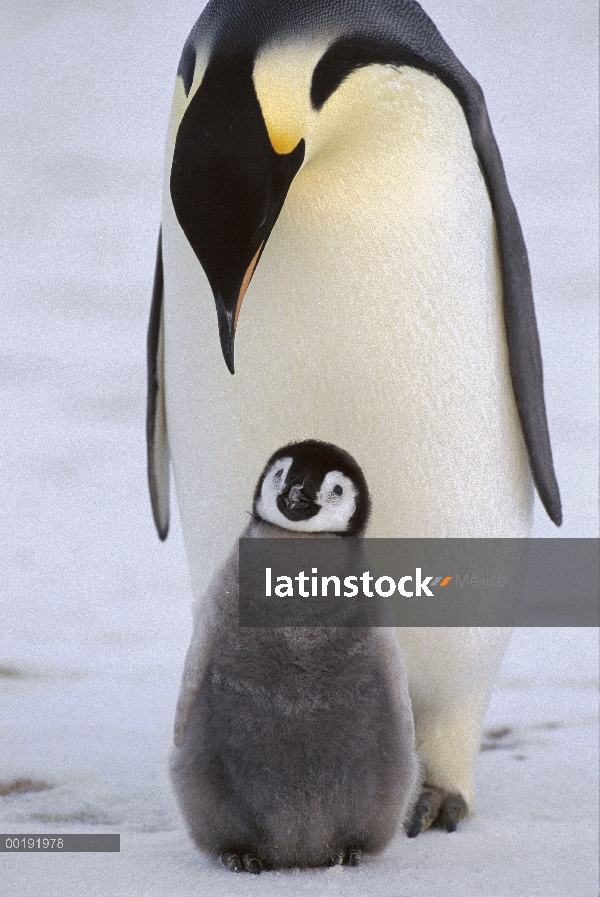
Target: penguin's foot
<point>232,861</point>
<point>350,857</point>
<point>252,864</point>
<point>354,856</point>
<point>436,808</point>
<point>247,861</point>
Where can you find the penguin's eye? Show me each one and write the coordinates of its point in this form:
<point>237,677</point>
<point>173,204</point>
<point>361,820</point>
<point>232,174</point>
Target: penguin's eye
<point>278,475</point>
<point>337,490</point>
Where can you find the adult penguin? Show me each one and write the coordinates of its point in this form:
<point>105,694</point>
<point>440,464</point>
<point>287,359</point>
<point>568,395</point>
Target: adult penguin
<point>334,164</point>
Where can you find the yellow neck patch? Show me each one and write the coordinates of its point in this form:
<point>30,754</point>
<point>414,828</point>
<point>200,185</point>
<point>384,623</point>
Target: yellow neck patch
<point>282,76</point>
<point>281,141</point>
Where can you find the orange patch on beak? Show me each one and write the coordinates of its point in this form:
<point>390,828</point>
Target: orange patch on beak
<point>245,282</point>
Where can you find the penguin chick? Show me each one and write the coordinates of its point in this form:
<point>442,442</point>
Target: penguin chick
<point>295,746</point>
<point>313,487</point>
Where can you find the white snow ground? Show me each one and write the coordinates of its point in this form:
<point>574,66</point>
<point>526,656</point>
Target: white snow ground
<point>95,612</point>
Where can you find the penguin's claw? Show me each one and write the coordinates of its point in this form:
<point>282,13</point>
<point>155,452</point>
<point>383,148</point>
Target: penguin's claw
<point>426,810</point>
<point>453,810</point>
<point>247,861</point>
<point>350,857</point>
<point>232,861</point>
<point>252,864</point>
<point>354,856</point>
<point>436,808</point>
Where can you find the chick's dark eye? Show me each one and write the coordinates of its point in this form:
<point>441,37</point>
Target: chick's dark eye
<point>337,490</point>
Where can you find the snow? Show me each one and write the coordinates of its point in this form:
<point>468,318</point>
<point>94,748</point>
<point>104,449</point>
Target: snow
<point>96,613</point>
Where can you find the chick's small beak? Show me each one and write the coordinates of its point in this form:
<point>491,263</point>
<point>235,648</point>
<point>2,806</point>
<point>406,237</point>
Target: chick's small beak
<point>297,499</point>
<point>298,502</point>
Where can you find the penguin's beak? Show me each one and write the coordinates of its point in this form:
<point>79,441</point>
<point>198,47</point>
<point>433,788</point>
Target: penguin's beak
<point>297,502</point>
<point>297,499</point>
<point>226,320</point>
<point>228,316</point>
<point>228,185</point>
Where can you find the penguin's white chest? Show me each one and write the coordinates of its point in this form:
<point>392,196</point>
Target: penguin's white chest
<point>373,321</point>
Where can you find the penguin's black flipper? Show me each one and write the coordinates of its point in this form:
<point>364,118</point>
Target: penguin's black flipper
<point>156,420</point>
<point>524,356</point>
<point>415,41</point>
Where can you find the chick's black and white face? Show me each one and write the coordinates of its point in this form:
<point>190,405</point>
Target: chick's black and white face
<point>297,492</point>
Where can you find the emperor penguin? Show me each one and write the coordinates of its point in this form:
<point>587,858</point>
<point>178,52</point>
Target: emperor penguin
<point>333,165</point>
<point>295,745</point>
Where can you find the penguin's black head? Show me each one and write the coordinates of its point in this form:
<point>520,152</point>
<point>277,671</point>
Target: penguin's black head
<point>228,184</point>
<point>313,487</point>
<point>232,167</point>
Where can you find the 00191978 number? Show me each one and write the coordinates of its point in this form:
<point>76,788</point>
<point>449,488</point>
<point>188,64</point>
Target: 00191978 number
<point>34,843</point>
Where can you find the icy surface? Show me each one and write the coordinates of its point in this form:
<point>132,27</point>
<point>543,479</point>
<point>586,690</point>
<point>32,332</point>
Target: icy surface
<point>96,613</point>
